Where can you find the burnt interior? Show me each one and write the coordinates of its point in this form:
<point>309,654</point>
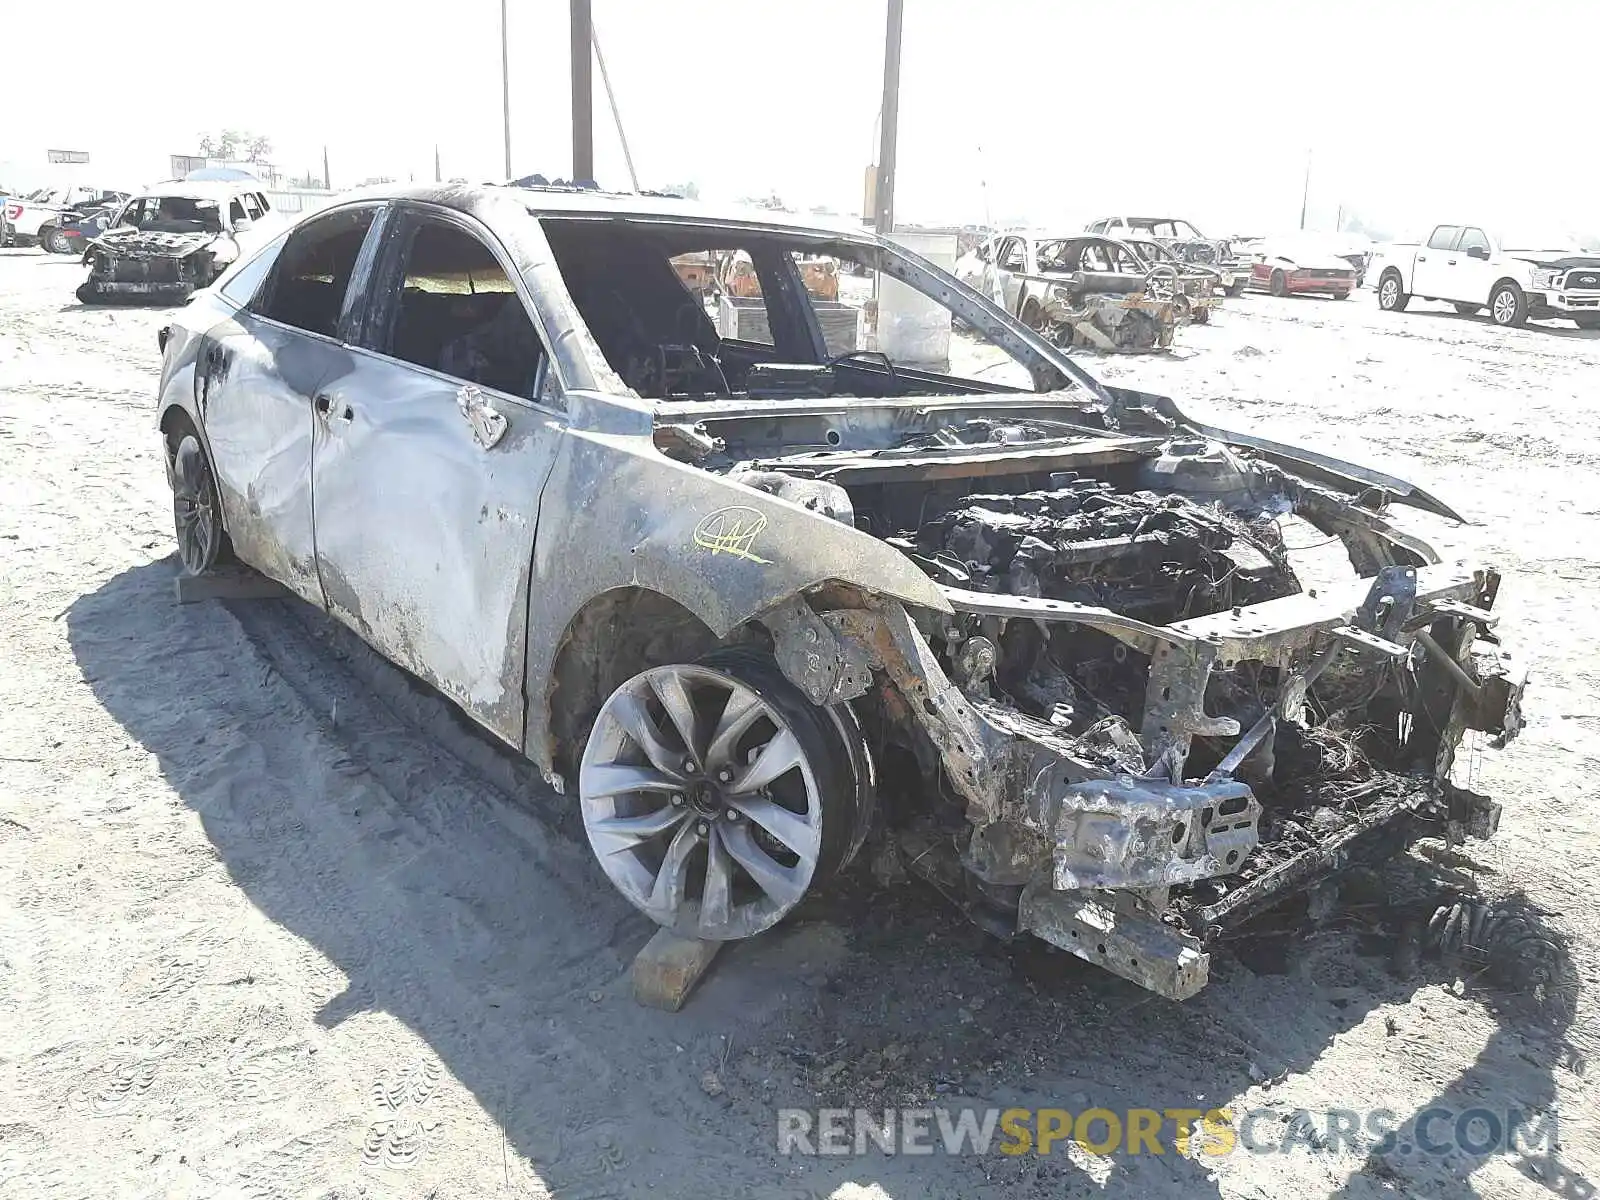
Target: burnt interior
<point>659,337</point>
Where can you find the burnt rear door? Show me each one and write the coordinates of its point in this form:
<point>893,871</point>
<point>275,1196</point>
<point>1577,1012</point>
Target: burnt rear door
<point>431,455</point>
<point>256,376</point>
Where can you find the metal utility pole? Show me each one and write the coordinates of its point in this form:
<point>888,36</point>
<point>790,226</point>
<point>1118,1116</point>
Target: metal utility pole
<point>438,173</point>
<point>616,116</point>
<point>582,91</point>
<point>1305,195</point>
<point>883,217</point>
<point>505,84</point>
<point>327,176</point>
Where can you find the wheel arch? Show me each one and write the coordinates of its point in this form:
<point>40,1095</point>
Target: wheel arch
<point>1501,282</point>
<point>625,630</point>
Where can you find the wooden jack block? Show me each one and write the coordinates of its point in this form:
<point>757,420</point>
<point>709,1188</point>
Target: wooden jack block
<point>233,583</point>
<point>667,969</point>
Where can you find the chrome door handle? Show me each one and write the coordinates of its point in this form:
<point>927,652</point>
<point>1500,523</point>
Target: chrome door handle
<point>323,404</point>
<point>488,426</point>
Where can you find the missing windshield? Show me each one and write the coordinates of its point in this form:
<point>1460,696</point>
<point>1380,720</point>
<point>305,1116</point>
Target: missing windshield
<point>686,312</point>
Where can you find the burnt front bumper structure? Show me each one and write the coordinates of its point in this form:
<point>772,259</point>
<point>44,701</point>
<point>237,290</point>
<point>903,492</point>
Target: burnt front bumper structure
<point>1138,849</point>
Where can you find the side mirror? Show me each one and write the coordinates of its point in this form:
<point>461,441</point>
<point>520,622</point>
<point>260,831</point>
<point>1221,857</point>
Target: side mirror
<point>1479,252</point>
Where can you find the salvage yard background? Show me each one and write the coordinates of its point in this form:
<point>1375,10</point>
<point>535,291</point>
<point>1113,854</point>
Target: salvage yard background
<point>273,924</point>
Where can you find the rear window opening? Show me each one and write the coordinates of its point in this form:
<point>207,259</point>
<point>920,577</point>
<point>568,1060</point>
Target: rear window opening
<point>683,311</point>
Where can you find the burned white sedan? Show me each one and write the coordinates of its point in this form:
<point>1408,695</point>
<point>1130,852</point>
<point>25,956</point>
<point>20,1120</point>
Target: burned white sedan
<point>176,238</point>
<point>749,602</point>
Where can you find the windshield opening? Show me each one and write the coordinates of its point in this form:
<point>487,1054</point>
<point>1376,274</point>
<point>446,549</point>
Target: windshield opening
<point>174,214</point>
<point>708,312</point>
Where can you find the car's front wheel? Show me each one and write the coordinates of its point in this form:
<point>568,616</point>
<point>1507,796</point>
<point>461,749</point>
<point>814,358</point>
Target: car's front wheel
<point>1587,320</point>
<point>1390,296</point>
<point>1466,310</point>
<point>54,241</point>
<point>1280,284</point>
<point>197,509</point>
<point>716,796</point>
<point>1509,305</point>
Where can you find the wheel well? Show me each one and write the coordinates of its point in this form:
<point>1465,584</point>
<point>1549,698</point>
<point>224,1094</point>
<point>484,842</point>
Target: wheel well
<point>175,424</point>
<point>1504,279</point>
<point>1390,273</point>
<point>612,638</point>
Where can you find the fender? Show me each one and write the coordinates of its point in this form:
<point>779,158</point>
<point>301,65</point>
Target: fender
<point>1322,468</point>
<point>616,513</point>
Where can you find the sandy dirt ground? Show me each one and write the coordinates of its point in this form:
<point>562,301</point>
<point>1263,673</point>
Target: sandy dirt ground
<point>274,923</point>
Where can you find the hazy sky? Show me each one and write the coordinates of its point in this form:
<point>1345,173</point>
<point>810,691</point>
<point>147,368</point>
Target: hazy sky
<point>1056,111</point>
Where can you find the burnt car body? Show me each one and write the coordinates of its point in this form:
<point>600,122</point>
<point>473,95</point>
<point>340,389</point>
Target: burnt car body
<point>1187,242</point>
<point>1085,291</point>
<point>750,603</point>
<point>175,239</point>
<point>1202,287</point>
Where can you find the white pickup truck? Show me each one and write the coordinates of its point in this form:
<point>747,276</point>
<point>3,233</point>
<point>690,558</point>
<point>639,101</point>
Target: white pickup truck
<point>1515,278</point>
<point>37,217</point>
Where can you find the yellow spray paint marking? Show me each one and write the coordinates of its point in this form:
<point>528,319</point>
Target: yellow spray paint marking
<point>732,531</point>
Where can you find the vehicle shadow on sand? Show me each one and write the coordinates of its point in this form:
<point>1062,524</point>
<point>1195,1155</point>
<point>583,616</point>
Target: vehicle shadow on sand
<point>449,888</point>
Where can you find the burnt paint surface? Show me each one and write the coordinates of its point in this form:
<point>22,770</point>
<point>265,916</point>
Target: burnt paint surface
<point>257,409</point>
<point>616,513</point>
<point>425,538</point>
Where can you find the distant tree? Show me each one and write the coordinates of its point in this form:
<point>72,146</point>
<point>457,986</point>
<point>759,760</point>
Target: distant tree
<point>230,144</point>
<point>772,202</point>
<point>257,148</point>
<point>373,179</point>
<point>689,191</point>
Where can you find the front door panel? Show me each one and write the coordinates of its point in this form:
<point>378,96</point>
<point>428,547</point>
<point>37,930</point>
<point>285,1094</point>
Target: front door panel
<point>424,535</point>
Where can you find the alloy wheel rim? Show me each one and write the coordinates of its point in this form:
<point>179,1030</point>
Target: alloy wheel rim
<point>1390,291</point>
<point>1504,305</point>
<point>700,803</point>
<point>194,516</point>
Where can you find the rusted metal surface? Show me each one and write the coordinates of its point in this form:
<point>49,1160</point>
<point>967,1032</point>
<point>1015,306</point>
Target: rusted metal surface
<point>1064,621</point>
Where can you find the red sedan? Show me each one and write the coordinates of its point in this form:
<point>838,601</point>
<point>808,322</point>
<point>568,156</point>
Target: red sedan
<point>1287,269</point>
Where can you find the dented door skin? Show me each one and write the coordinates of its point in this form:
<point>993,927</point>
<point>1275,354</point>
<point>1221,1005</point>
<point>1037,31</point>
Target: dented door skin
<point>254,384</point>
<point>424,533</point>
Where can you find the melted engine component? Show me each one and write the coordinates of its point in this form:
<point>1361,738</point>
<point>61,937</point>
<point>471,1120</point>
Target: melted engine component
<point>1160,558</point>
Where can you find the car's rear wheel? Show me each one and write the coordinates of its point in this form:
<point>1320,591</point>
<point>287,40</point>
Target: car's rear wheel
<point>54,241</point>
<point>1466,310</point>
<point>716,796</point>
<point>1279,285</point>
<point>1390,296</point>
<point>197,510</point>
<point>1033,316</point>
<point>1236,288</point>
<point>1202,316</point>
<point>1508,306</point>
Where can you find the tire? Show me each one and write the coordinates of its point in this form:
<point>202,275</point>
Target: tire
<point>1508,306</point>
<point>1466,310</point>
<point>53,241</point>
<point>1339,295</point>
<point>86,293</point>
<point>1033,316</point>
<point>1279,286</point>
<point>1202,316</point>
<point>757,811</point>
<point>1587,320</point>
<point>197,510</point>
<point>1390,296</point>
<point>1236,289</point>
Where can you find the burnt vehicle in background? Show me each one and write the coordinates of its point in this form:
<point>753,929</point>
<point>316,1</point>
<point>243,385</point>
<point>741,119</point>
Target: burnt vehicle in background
<point>175,239</point>
<point>750,602</point>
<point>1202,286</point>
<point>1086,291</point>
<point>1187,242</point>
